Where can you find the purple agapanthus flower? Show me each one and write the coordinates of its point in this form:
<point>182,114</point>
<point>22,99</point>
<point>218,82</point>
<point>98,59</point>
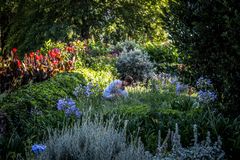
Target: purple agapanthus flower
<point>206,96</point>
<point>77,90</point>
<point>180,88</point>
<point>203,83</point>
<point>78,114</point>
<point>38,148</point>
<point>70,102</point>
<point>69,107</point>
<point>61,104</point>
<point>73,110</point>
<point>88,89</point>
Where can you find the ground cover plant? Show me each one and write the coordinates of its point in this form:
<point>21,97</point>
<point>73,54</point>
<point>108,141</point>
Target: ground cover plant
<point>30,109</point>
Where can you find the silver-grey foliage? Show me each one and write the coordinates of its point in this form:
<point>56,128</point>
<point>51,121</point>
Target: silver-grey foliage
<point>96,140</point>
<point>127,45</point>
<point>92,141</point>
<point>206,150</point>
<point>135,63</point>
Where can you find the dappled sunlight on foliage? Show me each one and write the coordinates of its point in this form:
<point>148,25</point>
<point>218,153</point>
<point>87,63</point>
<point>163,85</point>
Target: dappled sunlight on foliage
<point>58,60</point>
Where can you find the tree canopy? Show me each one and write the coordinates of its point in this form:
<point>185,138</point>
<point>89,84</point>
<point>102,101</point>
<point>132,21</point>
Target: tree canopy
<point>27,24</point>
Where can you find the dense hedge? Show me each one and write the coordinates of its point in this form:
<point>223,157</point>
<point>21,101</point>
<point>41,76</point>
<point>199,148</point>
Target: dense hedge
<point>31,109</point>
<point>207,35</point>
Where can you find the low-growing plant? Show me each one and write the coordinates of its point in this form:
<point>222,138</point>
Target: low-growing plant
<point>99,139</point>
<point>204,150</point>
<point>93,140</point>
<point>32,108</point>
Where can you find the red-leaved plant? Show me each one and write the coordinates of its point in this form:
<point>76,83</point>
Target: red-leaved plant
<point>35,66</point>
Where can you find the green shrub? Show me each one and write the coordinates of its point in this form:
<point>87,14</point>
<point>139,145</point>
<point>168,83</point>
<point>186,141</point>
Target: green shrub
<point>162,52</point>
<point>99,63</point>
<point>32,108</point>
<point>207,35</point>
<point>126,45</point>
<point>95,49</point>
<point>102,78</point>
<point>136,64</point>
<point>146,120</point>
<point>164,55</point>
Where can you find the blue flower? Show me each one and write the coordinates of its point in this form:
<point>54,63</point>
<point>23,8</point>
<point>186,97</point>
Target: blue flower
<point>206,96</point>
<point>180,88</point>
<point>69,107</point>
<point>73,110</point>
<point>78,113</point>
<point>70,102</point>
<point>38,148</point>
<point>173,80</point>
<point>203,83</point>
<point>77,90</point>
<point>88,89</point>
<point>61,104</point>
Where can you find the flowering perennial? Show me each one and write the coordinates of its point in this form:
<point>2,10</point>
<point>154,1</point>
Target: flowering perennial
<point>38,148</point>
<point>206,96</point>
<point>69,106</point>
<point>35,67</point>
<point>87,90</point>
<point>204,83</point>
<point>180,88</point>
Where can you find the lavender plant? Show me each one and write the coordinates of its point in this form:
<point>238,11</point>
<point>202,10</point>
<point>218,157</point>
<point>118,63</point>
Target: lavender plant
<point>96,139</point>
<point>93,140</point>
